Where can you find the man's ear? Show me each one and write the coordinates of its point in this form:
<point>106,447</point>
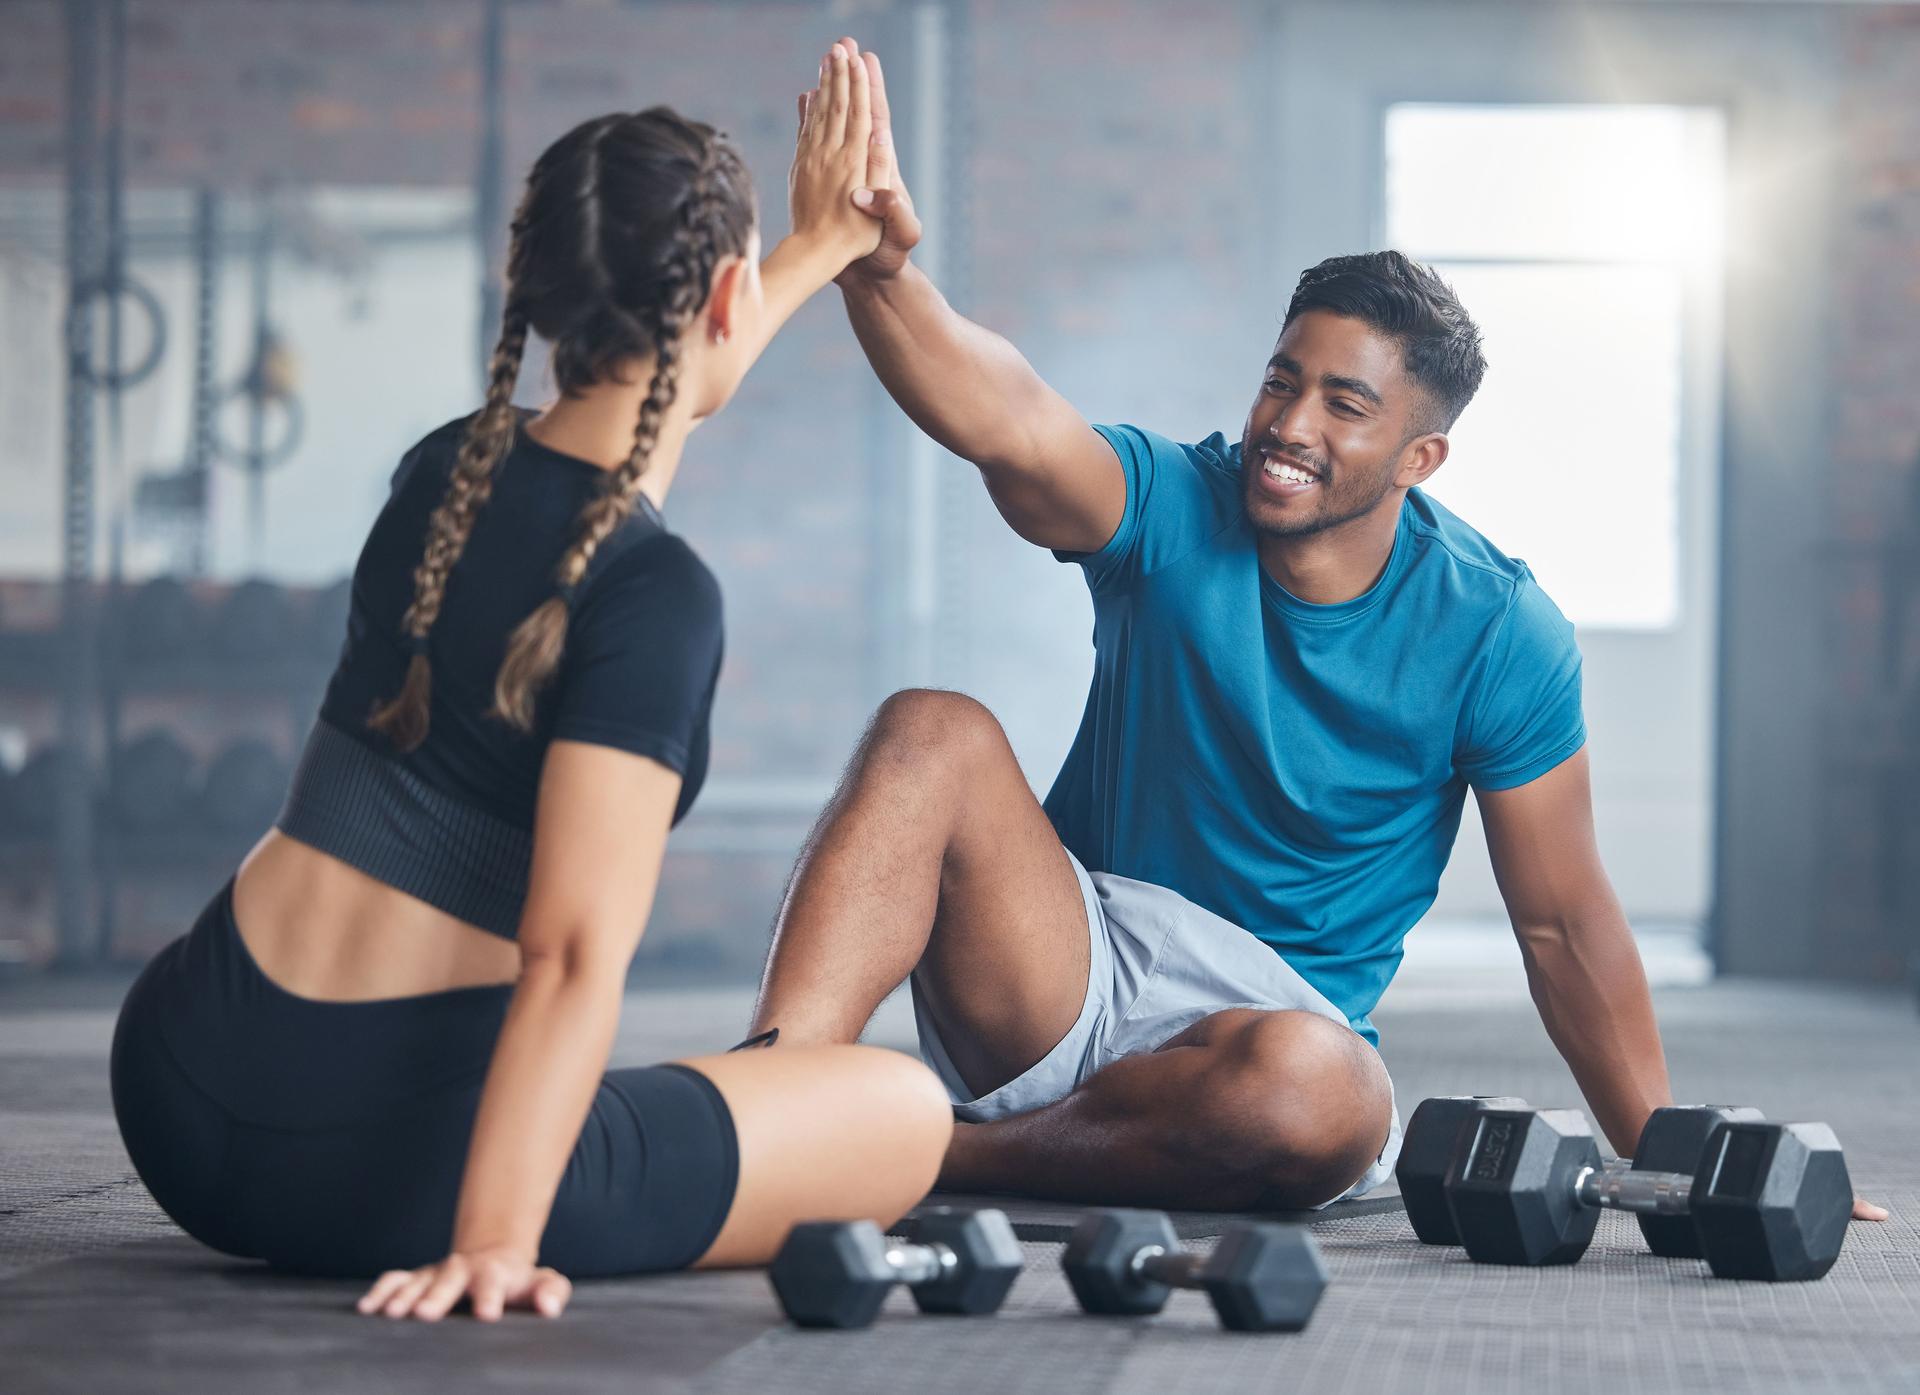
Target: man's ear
<point>1421,457</point>
<point>725,301</point>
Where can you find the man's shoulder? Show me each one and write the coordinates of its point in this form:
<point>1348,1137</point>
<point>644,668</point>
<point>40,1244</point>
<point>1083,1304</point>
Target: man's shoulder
<point>1213,454</point>
<point>1488,597</point>
<point>1475,568</point>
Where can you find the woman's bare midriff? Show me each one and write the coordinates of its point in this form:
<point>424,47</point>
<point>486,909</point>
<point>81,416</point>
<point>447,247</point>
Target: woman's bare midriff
<point>323,930</point>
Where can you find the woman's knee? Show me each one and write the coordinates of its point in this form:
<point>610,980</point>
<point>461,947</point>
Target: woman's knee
<point>825,1133</point>
<point>903,1098</point>
<point>869,1123</point>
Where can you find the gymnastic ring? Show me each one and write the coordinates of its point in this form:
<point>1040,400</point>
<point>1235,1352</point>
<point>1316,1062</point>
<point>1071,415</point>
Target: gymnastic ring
<point>116,378</point>
<point>270,457</point>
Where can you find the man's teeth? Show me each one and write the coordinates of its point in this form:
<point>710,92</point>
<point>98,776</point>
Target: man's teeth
<point>1281,471</point>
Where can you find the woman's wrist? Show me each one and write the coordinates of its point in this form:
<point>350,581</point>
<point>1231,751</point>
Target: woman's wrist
<point>804,261</point>
<point>473,1238</point>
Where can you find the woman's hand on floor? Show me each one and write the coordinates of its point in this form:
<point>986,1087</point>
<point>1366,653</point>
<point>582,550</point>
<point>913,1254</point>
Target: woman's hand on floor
<point>1864,1210</point>
<point>491,1280</point>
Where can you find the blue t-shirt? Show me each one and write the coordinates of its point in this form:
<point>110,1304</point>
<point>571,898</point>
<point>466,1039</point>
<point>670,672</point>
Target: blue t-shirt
<point>1299,769</point>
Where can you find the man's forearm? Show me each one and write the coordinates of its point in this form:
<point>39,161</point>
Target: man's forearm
<point>1591,989</point>
<point>965,386</point>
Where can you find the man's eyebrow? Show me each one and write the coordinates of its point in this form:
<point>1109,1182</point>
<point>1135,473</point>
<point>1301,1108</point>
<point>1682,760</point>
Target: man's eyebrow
<point>1357,386</point>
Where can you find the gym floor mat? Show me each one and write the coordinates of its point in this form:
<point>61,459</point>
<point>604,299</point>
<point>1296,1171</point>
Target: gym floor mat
<point>99,1292</point>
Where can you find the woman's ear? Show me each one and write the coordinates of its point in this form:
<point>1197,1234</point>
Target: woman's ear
<point>727,301</point>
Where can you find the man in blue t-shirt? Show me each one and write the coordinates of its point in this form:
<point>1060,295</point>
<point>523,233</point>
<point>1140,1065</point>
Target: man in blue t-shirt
<point>1155,990</point>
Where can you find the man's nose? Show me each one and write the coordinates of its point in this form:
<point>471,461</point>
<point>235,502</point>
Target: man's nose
<point>1294,426</point>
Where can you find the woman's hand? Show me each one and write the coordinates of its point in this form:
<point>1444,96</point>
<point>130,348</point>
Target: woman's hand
<point>830,161</point>
<point>492,1280</point>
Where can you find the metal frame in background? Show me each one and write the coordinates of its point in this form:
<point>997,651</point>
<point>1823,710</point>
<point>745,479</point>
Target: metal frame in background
<point>76,912</point>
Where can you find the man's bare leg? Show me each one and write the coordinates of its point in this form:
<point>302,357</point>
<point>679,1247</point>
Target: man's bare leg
<point>934,859</point>
<point>1245,1110</point>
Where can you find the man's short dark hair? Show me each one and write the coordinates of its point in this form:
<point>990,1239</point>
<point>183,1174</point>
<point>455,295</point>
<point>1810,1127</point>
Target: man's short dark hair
<point>1408,302</point>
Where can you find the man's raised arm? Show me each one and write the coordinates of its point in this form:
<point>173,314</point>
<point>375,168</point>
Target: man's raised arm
<point>1053,477</point>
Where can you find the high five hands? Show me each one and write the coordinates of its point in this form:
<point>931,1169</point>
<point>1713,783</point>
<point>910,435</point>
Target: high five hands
<point>881,196</point>
<point>831,161</point>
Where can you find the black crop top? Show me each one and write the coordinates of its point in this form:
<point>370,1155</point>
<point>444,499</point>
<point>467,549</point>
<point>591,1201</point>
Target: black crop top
<point>451,822</point>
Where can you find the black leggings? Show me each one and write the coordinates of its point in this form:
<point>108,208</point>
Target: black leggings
<point>329,1138</point>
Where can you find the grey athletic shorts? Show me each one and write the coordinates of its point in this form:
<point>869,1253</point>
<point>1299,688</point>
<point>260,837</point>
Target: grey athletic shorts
<point>1159,964</point>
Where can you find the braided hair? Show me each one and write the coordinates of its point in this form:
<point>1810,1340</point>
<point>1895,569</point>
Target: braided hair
<point>615,243</point>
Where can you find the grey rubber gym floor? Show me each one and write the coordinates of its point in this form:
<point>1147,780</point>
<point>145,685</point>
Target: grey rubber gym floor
<point>98,1292</point>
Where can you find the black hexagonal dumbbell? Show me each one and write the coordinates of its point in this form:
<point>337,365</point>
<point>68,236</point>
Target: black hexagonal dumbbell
<point>837,1273</point>
<point>1767,1201</point>
<point>1671,1142</point>
<point>1260,1278</point>
<point>1426,1152</point>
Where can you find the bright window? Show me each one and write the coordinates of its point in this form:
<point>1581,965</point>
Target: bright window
<point>1580,238</point>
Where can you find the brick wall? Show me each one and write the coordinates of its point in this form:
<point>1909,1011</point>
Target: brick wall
<point>1102,230</point>
<point>1869,905</point>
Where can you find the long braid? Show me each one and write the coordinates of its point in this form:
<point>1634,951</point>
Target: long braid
<point>533,653</point>
<point>404,720</point>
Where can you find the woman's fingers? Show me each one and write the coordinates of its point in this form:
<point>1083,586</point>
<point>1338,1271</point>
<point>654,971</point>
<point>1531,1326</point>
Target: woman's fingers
<point>859,109</point>
<point>383,1288</point>
<point>811,106</point>
<point>880,145</point>
<point>418,1282</point>
<point>550,1293</point>
<point>838,99</point>
<point>444,1292</point>
<point>488,1292</point>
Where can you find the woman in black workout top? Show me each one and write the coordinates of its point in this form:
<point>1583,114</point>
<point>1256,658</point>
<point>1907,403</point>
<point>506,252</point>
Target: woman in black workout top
<point>382,1049</point>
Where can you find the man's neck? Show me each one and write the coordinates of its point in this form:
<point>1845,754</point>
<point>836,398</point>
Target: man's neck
<point>1339,563</point>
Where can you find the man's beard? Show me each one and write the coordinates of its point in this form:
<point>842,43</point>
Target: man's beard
<point>1340,503</point>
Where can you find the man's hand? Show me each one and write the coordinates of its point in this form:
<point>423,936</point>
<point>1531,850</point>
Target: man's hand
<point>1864,1210</point>
<point>885,196</point>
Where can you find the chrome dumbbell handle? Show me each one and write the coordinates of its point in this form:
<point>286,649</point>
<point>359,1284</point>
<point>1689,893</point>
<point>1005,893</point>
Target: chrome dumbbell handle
<point>1616,1186</point>
<point>914,1265</point>
<point>1174,1269</point>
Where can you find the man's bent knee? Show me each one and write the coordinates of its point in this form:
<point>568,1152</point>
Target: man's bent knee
<point>929,726</point>
<point>1308,1105</point>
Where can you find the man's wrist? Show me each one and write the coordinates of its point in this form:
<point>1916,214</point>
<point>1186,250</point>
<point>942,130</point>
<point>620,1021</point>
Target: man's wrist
<point>860,280</point>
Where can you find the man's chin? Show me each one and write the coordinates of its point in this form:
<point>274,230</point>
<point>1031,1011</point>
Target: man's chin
<point>1278,521</point>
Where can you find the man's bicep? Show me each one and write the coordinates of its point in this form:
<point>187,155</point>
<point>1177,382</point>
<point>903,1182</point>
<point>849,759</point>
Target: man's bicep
<point>1066,489</point>
<point>1540,836</point>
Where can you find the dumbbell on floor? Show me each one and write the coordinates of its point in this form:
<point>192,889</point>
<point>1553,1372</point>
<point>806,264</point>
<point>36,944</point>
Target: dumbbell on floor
<point>1426,1152</point>
<point>1260,1278</point>
<point>1766,1201</point>
<point>837,1273</point>
<point>1670,1142</point>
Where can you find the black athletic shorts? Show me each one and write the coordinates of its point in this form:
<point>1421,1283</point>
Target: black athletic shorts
<point>329,1138</point>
